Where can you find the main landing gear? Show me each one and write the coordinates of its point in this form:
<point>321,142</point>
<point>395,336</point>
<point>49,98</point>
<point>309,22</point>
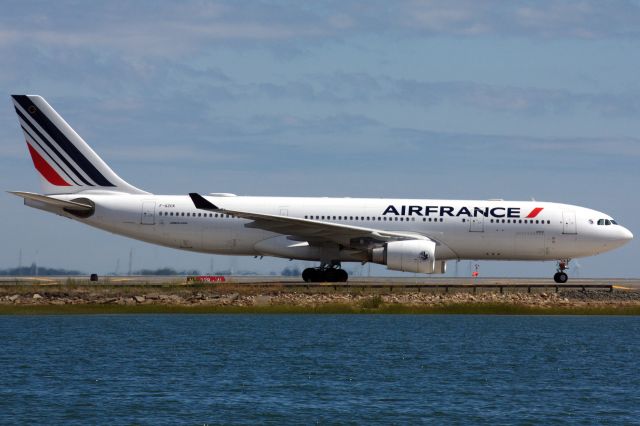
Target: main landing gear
<point>561,277</point>
<point>325,274</point>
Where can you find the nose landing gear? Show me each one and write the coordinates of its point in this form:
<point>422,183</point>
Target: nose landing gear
<point>561,277</point>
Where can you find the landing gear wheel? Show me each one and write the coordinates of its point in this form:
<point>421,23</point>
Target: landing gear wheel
<point>560,277</point>
<point>331,275</point>
<point>308,275</point>
<point>319,275</point>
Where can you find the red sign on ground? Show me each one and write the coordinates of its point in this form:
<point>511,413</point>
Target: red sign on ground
<point>206,279</point>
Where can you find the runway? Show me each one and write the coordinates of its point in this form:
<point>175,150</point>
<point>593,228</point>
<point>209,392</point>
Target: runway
<point>354,282</point>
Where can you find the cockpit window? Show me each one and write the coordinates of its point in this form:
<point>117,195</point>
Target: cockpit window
<point>607,222</point>
<point>600,221</point>
<point>614,222</point>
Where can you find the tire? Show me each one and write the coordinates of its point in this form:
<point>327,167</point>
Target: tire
<point>331,275</point>
<point>307,275</point>
<point>313,275</point>
<point>560,277</point>
<point>342,276</point>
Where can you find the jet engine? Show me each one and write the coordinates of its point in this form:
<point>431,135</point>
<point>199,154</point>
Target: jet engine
<point>409,256</point>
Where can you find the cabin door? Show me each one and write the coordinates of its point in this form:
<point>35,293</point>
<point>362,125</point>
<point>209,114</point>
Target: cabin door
<point>148,213</point>
<point>476,224</point>
<point>569,222</point>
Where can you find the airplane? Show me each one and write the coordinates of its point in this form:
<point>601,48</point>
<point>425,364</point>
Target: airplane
<point>410,235</point>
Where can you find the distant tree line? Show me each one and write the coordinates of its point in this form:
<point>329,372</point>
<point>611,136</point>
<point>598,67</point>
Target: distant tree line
<point>38,270</point>
<point>290,272</point>
<point>166,271</point>
<point>34,270</point>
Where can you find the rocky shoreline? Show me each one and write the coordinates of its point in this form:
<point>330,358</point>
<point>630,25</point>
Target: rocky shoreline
<point>247,297</point>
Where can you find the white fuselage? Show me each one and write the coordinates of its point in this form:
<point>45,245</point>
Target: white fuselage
<point>475,229</point>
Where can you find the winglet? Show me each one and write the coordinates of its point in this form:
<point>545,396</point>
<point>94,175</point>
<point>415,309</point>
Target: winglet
<point>201,203</point>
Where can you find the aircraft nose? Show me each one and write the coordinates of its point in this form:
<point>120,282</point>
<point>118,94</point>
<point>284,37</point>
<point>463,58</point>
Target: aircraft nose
<point>626,234</point>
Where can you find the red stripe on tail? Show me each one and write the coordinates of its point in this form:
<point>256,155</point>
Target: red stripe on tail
<point>535,212</point>
<point>45,169</point>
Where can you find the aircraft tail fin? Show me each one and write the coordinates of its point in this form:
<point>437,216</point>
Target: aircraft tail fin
<point>65,162</point>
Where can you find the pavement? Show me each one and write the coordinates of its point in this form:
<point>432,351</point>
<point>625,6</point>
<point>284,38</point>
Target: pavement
<point>618,283</point>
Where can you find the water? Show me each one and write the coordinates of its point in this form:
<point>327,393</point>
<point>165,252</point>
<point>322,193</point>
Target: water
<point>239,369</point>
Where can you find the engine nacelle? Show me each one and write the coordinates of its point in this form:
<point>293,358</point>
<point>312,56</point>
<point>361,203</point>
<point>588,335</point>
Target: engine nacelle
<point>409,256</point>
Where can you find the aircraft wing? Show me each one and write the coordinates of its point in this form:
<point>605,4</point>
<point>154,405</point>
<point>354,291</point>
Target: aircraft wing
<point>313,231</point>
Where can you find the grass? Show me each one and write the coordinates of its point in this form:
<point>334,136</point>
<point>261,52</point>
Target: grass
<point>373,302</point>
<point>370,307</point>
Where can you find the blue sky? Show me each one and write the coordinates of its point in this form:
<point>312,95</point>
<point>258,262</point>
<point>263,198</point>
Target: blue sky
<point>442,99</point>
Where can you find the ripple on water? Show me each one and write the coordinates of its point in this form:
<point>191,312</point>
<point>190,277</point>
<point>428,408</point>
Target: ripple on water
<point>327,368</point>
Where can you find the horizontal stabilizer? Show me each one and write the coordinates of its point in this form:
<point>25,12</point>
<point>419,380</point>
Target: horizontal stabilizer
<point>71,205</point>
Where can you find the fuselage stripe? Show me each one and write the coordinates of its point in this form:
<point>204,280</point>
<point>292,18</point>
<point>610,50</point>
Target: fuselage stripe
<point>48,154</point>
<point>53,148</point>
<point>535,212</point>
<point>45,169</point>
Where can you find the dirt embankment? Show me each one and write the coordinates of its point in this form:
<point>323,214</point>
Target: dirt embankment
<point>247,297</point>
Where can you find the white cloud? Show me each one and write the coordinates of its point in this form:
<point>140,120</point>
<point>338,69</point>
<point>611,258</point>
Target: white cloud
<point>161,28</point>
